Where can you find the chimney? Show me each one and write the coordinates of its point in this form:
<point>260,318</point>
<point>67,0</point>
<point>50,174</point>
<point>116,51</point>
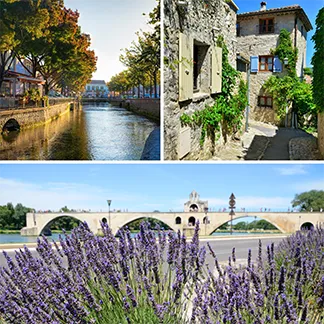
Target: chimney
<point>263,6</point>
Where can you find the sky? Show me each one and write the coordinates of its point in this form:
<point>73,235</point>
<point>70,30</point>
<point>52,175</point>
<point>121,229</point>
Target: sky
<point>311,8</point>
<point>112,25</point>
<point>149,187</point>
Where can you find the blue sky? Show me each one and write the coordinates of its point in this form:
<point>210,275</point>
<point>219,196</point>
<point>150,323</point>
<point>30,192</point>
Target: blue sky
<point>311,7</point>
<point>112,25</point>
<point>163,187</point>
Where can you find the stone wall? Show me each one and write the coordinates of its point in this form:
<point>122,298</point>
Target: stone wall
<point>203,22</point>
<point>252,43</point>
<point>149,108</point>
<point>321,133</point>
<point>33,116</point>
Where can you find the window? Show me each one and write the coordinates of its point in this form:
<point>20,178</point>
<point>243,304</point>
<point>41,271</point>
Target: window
<point>266,63</point>
<point>302,30</point>
<point>265,101</point>
<point>238,30</point>
<point>201,79</point>
<point>266,26</point>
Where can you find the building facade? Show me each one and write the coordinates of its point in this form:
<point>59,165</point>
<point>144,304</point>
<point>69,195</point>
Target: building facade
<point>193,68</point>
<point>96,89</point>
<point>18,79</point>
<point>257,35</point>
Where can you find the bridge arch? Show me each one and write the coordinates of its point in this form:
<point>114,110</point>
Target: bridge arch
<point>155,217</point>
<point>244,216</point>
<point>11,125</point>
<point>44,226</point>
<point>307,226</point>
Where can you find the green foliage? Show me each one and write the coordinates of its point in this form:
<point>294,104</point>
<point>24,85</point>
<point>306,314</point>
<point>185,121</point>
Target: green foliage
<point>308,71</point>
<point>285,49</point>
<point>13,218</point>
<point>142,58</point>
<point>227,111</point>
<point>289,90</point>
<point>306,201</point>
<point>318,61</point>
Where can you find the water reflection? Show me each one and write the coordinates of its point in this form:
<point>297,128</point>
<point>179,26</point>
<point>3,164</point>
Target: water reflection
<point>98,131</point>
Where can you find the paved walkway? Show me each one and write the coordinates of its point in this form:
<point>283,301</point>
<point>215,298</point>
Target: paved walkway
<point>275,144</point>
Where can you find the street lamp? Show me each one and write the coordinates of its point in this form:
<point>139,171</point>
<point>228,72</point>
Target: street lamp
<point>109,203</point>
<point>232,207</point>
<point>206,219</point>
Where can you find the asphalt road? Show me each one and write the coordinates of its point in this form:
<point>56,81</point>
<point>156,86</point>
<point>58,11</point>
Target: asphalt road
<point>221,246</point>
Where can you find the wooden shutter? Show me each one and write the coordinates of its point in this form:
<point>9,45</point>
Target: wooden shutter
<point>277,65</point>
<point>254,64</point>
<point>185,67</point>
<point>216,77</point>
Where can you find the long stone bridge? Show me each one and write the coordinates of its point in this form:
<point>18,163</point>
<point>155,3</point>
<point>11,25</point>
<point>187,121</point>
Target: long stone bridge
<point>194,210</point>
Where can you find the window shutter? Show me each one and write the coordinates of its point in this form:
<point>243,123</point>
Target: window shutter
<point>185,67</point>
<point>277,65</point>
<point>216,77</point>
<point>254,64</point>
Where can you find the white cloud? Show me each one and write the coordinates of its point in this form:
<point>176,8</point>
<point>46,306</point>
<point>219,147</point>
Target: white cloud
<point>292,169</point>
<point>309,185</point>
<point>53,195</point>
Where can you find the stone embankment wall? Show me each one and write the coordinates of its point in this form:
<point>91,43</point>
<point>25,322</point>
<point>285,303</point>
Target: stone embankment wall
<point>200,22</point>
<point>33,116</point>
<point>149,108</point>
<point>321,133</point>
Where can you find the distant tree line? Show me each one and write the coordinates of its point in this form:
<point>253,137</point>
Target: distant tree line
<point>248,226</point>
<point>13,218</point>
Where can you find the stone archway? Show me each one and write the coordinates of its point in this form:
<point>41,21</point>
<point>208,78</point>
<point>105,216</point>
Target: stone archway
<point>178,220</point>
<point>11,125</point>
<point>45,229</point>
<point>261,217</point>
<point>307,226</point>
<point>143,218</point>
<point>192,221</point>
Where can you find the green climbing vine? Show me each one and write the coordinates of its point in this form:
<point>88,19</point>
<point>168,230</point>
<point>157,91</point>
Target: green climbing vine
<point>288,89</point>
<point>227,111</point>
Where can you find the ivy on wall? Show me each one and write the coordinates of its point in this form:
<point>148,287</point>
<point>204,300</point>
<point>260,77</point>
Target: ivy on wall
<point>288,90</point>
<point>226,113</point>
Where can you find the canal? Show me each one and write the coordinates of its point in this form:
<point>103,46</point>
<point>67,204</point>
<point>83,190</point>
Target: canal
<point>98,131</point>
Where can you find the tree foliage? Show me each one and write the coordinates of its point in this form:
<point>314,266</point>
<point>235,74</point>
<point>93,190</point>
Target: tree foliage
<point>310,200</point>
<point>142,58</point>
<point>48,37</point>
<point>13,218</point>
<point>318,61</point>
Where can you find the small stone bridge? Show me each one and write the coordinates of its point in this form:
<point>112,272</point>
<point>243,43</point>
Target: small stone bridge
<point>286,222</point>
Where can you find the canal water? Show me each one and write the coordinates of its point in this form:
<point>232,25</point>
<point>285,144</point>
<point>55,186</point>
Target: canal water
<point>98,131</point>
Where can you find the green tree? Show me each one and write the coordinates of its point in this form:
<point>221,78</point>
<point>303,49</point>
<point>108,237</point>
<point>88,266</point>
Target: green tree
<point>318,61</point>
<point>310,200</point>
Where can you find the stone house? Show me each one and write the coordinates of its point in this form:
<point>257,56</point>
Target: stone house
<point>193,68</point>
<point>258,33</point>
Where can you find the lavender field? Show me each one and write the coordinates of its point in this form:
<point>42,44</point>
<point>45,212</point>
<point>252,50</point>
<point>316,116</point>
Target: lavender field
<point>93,279</point>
